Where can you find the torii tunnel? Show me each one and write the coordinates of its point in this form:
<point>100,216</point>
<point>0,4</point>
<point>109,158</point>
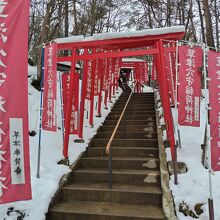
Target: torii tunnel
<point>155,42</point>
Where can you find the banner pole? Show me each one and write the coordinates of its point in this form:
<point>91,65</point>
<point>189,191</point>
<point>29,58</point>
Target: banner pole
<point>210,200</point>
<point>61,100</point>
<point>41,110</point>
<point>177,132</point>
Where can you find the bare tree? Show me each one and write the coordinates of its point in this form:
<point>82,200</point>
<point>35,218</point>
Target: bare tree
<point>208,22</point>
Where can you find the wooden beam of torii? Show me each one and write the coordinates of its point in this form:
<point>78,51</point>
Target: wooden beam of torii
<point>122,44</point>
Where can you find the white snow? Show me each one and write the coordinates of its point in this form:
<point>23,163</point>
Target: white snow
<point>142,33</point>
<point>131,59</point>
<point>128,34</point>
<point>193,186</point>
<point>71,39</point>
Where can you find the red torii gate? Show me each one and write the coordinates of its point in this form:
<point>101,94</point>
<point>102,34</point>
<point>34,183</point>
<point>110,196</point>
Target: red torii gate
<point>136,65</point>
<point>111,45</point>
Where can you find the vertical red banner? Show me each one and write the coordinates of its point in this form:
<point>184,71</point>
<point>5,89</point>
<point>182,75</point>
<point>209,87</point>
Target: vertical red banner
<point>105,75</point>
<point>15,182</point>
<point>89,80</point>
<point>154,71</point>
<point>173,68</point>
<point>113,75</point>
<point>169,75</point>
<point>145,73</point>
<point>97,78</point>
<point>214,103</point>
<point>118,63</point>
<point>101,77</point>
<point>75,101</point>
<point>110,76</point>
<point>189,90</point>
<point>49,119</point>
<point>105,80</point>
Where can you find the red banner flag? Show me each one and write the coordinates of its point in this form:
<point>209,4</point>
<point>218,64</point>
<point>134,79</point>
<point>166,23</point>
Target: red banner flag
<point>97,78</point>
<point>214,103</point>
<point>89,80</point>
<point>173,68</point>
<point>145,73</point>
<point>105,80</point>
<point>75,101</point>
<point>49,119</point>
<point>118,63</point>
<point>189,90</point>
<point>169,75</point>
<point>110,77</point>
<point>154,71</point>
<point>15,182</point>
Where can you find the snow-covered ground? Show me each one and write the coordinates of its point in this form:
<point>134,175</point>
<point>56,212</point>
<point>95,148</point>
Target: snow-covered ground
<point>193,186</point>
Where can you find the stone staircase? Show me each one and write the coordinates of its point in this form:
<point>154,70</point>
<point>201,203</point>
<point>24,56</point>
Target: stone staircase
<point>136,192</point>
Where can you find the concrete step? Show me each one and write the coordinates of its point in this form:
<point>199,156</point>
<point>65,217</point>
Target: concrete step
<point>120,193</point>
<point>141,163</point>
<point>133,108</point>
<point>129,128</point>
<point>135,102</point>
<point>132,117</point>
<point>100,142</point>
<point>123,151</point>
<point>135,105</point>
<point>128,176</point>
<point>143,94</point>
<point>88,210</point>
<point>149,121</point>
<point>136,98</point>
<point>129,112</point>
<point>124,135</point>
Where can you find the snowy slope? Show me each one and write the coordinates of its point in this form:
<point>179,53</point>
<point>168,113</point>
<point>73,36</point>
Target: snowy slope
<point>193,187</point>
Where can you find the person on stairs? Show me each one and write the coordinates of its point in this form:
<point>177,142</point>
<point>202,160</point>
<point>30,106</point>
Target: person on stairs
<point>122,81</point>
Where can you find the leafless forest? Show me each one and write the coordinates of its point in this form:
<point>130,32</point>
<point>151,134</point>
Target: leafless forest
<point>50,19</point>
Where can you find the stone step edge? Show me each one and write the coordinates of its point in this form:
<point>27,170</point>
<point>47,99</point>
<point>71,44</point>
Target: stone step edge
<point>112,206</point>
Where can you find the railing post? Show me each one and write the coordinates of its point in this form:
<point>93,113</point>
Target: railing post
<point>110,169</point>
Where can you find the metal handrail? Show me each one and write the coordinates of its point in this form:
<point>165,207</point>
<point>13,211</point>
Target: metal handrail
<point>108,146</point>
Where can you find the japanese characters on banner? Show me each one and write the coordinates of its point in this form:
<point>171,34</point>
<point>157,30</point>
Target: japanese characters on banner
<point>214,103</point>
<point>145,72</point>
<point>169,74</point>
<point>89,80</point>
<point>105,75</point>
<point>154,71</point>
<point>75,101</point>
<point>110,68</point>
<point>49,118</point>
<point>118,63</point>
<point>110,82</point>
<point>97,78</point>
<point>189,90</point>
<point>15,182</point>
<point>173,68</point>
